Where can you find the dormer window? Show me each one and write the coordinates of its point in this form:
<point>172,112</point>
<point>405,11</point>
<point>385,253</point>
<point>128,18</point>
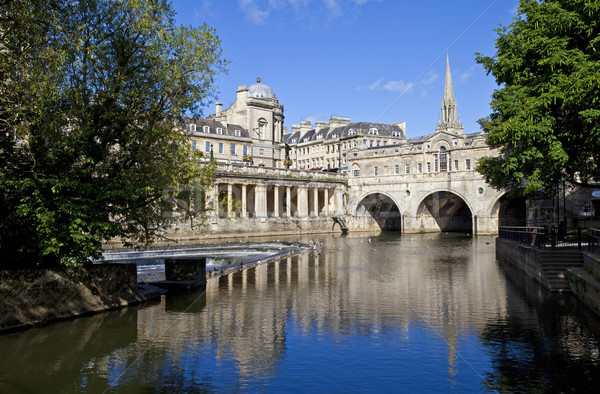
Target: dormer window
<point>237,133</point>
<point>351,132</point>
<point>219,130</point>
<point>206,129</point>
<point>334,136</point>
<point>373,131</point>
<point>294,140</point>
<point>192,127</point>
<point>320,137</point>
<point>396,134</point>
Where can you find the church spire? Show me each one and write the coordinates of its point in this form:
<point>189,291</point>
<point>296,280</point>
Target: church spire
<point>448,91</point>
<point>450,121</point>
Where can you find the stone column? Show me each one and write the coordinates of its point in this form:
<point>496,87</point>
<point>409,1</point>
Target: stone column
<point>302,202</point>
<point>288,201</point>
<point>244,202</point>
<point>229,200</point>
<point>276,201</point>
<point>215,199</point>
<point>260,201</point>
<point>316,201</point>
<point>326,202</point>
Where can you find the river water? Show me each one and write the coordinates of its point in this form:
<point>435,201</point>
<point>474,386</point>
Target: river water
<point>369,313</point>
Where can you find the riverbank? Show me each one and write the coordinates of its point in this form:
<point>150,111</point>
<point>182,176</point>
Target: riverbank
<point>30,298</point>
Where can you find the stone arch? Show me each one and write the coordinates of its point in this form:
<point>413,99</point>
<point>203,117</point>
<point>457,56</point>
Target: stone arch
<point>444,210</point>
<point>380,208</point>
<point>510,211</point>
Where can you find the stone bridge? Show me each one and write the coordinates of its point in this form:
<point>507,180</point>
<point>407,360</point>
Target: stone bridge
<point>430,202</point>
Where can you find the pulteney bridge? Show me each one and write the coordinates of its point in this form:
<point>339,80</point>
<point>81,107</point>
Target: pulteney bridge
<point>430,202</point>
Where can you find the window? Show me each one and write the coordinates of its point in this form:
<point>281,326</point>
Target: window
<point>468,164</point>
<point>334,135</point>
<point>371,143</point>
<point>206,129</point>
<point>375,171</point>
<point>245,148</point>
<point>207,146</point>
<point>233,149</point>
<point>373,131</point>
<point>396,134</point>
<point>443,159</point>
<point>220,147</point>
<point>396,169</point>
<point>455,165</point>
<point>192,127</point>
<point>351,132</point>
<point>377,142</point>
<point>219,130</point>
<point>237,133</point>
<point>428,166</point>
<point>194,145</point>
<point>588,209</point>
<point>356,172</point>
<point>407,168</point>
<point>435,163</point>
<point>262,128</point>
<point>419,168</point>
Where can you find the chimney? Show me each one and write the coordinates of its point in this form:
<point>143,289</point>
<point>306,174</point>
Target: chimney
<point>219,108</point>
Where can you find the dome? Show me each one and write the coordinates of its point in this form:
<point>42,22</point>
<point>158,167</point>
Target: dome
<point>260,90</point>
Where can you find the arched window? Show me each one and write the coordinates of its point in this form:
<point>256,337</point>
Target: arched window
<point>262,129</point>
<point>443,159</point>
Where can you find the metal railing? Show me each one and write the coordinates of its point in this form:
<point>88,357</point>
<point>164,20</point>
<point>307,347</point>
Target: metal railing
<point>549,238</point>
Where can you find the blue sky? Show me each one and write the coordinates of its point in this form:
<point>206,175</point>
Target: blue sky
<point>370,60</point>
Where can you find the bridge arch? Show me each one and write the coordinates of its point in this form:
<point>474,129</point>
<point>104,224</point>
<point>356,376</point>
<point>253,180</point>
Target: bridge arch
<point>444,210</point>
<point>510,211</point>
<point>381,208</point>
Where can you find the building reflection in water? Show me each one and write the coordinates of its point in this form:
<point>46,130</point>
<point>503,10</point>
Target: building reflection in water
<point>442,300</point>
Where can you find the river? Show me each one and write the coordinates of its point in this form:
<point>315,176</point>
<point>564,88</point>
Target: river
<point>369,313</point>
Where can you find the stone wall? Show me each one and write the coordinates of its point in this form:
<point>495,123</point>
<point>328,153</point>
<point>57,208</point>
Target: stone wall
<point>31,297</point>
<point>584,281</point>
<point>525,258</point>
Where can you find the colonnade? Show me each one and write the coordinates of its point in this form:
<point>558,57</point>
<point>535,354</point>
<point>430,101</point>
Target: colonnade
<point>233,199</point>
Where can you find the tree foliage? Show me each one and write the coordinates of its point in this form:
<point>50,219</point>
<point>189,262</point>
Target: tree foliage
<point>91,92</point>
<point>546,112</point>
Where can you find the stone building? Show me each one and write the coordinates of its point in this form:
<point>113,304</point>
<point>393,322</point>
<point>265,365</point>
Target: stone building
<point>446,150</point>
<point>251,128</point>
<point>325,147</point>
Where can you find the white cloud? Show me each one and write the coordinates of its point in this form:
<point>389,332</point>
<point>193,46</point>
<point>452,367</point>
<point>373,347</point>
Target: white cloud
<point>259,11</point>
<point>390,86</point>
<point>203,9</point>
<point>431,78</point>
<point>375,84</point>
<point>253,12</point>
<point>465,76</point>
<point>398,86</point>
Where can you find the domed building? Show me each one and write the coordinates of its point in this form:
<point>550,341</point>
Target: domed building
<point>257,117</point>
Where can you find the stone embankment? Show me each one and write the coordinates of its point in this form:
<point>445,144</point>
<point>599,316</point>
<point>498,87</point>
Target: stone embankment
<point>585,282</point>
<point>33,297</point>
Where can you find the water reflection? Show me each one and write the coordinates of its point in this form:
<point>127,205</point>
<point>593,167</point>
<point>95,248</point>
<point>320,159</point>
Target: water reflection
<point>402,313</point>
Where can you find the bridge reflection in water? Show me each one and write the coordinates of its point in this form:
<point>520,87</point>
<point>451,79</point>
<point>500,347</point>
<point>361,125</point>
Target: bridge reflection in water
<point>389,312</point>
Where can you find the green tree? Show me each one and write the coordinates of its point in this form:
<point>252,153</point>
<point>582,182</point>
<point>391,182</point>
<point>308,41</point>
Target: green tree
<point>91,96</point>
<point>545,116</point>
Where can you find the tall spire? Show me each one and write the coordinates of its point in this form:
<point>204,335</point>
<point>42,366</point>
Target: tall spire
<point>448,92</point>
<point>450,121</point>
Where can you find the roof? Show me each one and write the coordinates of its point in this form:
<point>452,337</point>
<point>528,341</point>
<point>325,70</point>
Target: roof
<point>260,90</point>
<point>213,125</point>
